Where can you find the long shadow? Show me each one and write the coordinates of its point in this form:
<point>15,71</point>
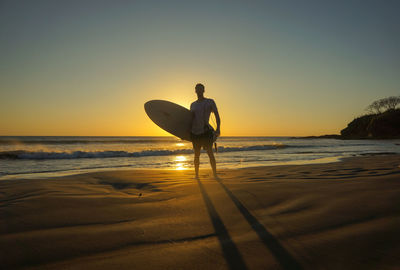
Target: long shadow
<point>281,254</point>
<point>231,252</point>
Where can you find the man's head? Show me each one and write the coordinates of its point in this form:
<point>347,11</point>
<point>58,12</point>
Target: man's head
<point>199,89</point>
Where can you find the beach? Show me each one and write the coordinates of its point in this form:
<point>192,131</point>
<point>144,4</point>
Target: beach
<point>341,215</point>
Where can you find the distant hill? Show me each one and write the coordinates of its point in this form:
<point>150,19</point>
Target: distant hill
<point>385,125</point>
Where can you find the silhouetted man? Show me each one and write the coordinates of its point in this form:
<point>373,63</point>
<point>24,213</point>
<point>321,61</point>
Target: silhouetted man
<point>202,133</point>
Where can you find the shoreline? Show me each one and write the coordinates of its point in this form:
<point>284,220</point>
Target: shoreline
<point>56,174</point>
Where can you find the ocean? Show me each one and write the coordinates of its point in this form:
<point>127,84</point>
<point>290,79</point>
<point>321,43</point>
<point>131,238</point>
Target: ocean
<point>48,156</point>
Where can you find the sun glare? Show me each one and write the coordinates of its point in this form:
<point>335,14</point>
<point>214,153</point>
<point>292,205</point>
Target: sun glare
<point>180,163</point>
<point>180,158</point>
<point>180,167</point>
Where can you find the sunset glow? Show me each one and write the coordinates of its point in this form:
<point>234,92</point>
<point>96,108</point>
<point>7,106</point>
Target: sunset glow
<point>274,69</point>
<point>180,163</point>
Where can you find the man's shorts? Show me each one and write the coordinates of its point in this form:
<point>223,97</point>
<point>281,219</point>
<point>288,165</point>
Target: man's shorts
<point>204,140</point>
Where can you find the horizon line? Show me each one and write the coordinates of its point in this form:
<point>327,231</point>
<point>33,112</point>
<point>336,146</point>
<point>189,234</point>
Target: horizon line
<point>159,135</point>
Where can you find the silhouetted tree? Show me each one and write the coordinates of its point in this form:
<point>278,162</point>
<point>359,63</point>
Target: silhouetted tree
<point>390,103</point>
<point>384,104</point>
<point>375,107</point>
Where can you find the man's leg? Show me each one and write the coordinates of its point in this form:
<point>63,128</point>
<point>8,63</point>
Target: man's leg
<point>212,160</point>
<point>196,149</point>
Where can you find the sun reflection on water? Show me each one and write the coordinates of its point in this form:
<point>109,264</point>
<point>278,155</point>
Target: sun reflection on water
<point>180,167</point>
<point>180,158</point>
<point>180,163</point>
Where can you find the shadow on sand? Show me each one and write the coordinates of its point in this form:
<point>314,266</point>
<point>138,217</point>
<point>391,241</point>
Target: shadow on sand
<point>231,252</point>
<point>280,253</point>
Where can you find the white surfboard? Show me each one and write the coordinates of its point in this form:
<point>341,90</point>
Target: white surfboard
<point>171,117</point>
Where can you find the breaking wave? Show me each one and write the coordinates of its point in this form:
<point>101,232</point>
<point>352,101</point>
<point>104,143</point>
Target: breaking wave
<point>22,154</point>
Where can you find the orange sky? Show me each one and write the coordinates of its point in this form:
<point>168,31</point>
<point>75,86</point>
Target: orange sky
<point>273,69</point>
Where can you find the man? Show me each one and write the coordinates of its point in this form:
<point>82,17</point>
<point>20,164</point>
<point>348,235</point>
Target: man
<point>202,133</point>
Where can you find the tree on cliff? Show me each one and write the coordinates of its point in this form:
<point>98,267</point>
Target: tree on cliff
<point>383,122</point>
<point>384,104</point>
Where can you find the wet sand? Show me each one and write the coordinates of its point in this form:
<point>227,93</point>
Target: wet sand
<point>343,215</point>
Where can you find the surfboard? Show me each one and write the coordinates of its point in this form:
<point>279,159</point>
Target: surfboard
<point>171,117</point>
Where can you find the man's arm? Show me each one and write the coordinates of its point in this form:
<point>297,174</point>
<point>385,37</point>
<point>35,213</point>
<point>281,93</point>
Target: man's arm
<point>218,123</point>
<point>218,119</point>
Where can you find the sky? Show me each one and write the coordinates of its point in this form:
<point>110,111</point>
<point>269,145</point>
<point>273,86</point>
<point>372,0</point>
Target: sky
<point>274,68</point>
